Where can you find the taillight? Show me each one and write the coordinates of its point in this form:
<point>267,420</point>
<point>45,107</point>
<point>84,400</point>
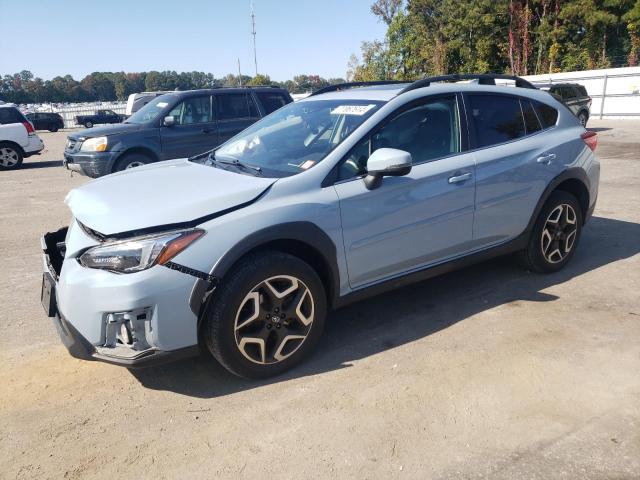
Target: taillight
<point>590,100</point>
<point>591,139</point>
<point>29,127</point>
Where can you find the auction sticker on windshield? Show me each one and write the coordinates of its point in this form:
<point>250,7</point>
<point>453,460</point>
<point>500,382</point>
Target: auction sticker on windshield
<point>351,109</point>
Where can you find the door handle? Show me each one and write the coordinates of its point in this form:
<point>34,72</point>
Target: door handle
<point>460,178</point>
<point>546,159</point>
<point>205,130</point>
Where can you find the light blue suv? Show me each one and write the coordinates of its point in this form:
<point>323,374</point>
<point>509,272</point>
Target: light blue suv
<point>348,193</point>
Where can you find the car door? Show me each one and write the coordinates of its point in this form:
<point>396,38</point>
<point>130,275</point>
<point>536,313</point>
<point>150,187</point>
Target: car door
<point>418,219</point>
<point>516,158</point>
<point>235,112</point>
<point>194,129</point>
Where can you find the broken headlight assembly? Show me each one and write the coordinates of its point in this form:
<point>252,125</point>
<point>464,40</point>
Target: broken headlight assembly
<point>136,254</point>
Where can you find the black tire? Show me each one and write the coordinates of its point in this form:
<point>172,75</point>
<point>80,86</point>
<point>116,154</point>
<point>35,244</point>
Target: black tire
<point>11,156</point>
<point>88,124</point>
<point>583,118</point>
<point>131,160</point>
<point>224,311</point>
<point>53,128</point>
<point>539,259</point>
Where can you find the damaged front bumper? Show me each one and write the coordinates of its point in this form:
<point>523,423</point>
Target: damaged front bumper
<point>128,337</point>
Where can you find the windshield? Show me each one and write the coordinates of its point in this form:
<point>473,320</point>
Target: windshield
<point>296,137</point>
<point>151,110</point>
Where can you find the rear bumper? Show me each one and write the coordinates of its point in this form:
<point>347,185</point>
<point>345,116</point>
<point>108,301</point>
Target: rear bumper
<point>34,147</point>
<point>91,164</point>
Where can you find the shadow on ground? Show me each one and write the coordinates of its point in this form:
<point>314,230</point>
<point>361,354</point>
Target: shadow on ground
<point>402,316</point>
<point>599,129</point>
<point>44,164</point>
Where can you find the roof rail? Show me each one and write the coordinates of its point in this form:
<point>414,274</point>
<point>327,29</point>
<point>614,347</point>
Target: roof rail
<point>483,79</point>
<point>247,86</point>
<point>343,86</point>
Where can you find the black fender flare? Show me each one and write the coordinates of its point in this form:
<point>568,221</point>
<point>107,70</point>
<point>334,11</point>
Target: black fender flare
<point>573,173</point>
<point>302,232</point>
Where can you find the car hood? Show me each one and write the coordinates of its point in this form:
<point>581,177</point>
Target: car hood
<point>164,193</point>
<point>114,129</point>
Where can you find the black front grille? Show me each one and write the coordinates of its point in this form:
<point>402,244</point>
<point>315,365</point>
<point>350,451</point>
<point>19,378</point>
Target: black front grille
<point>72,145</point>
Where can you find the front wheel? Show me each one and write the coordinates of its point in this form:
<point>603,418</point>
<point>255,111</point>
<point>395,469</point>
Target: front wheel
<point>555,234</point>
<point>266,316</point>
<point>88,124</point>
<point>131,161</point>
<point>53,128</point>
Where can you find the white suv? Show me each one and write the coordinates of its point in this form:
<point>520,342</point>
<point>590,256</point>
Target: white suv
<point>18,139</point>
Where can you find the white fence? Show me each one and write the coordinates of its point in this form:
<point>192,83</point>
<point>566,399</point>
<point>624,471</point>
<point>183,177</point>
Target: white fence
<point>615,91</point>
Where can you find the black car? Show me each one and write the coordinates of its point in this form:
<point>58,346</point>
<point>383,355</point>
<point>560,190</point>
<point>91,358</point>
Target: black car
<point>174,125</point>
<point>46,121</point>
<point>574,96</point>
<point>101,116</point>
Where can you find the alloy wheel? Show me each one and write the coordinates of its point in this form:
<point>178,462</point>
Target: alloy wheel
<point>274,319</point>
<point>559,233</point>
<point>8,157</point>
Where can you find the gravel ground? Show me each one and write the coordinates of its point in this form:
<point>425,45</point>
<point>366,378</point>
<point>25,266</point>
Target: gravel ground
<point>486,372</point>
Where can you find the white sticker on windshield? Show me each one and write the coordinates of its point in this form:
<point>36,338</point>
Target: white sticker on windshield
<point>162,104</point>
<point>351,109</point>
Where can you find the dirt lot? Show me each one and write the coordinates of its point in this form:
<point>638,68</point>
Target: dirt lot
<point>489,372</point>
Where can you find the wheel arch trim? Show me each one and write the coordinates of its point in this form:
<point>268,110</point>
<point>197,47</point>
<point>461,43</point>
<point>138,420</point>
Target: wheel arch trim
<point>278,237</point>
<point>569,175</point>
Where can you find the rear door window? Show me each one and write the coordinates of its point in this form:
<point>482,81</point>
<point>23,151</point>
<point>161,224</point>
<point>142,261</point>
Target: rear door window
<point>234,106</point>
<point>496,119</point>
<point>271,101</point>
<point>548,115</point>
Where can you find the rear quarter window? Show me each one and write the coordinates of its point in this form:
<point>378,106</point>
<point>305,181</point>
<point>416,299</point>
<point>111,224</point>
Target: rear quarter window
<point>548,115</point>
<point>10,115</point>
<point>582,91</point>
<point>496,119</point>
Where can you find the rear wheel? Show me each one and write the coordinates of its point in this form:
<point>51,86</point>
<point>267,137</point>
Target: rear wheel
<point>10,156</point>
<point>555,235</point>
<point>88,124</point>
<point>53,128</point>
<point>267,315</point>
<point>132,160</point>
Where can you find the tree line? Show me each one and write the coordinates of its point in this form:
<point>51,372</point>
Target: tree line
<point>24,87</point>
<point>521,37</point>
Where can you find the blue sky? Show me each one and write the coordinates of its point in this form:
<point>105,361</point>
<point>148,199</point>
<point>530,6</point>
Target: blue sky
<point>81,36</point>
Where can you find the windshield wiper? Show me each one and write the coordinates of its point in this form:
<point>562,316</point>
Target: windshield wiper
<point>236,163</point>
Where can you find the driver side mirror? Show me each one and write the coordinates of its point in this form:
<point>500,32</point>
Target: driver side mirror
<point>386,162</point>
<point>169,121</point>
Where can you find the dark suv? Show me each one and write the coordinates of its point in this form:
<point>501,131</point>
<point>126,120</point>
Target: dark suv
<point>574,96</point>
<point>174,125</point>
<point>46,121</point>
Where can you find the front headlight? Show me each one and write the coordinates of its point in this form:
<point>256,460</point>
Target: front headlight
<point>98,144</point>
<point>128,256</point>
